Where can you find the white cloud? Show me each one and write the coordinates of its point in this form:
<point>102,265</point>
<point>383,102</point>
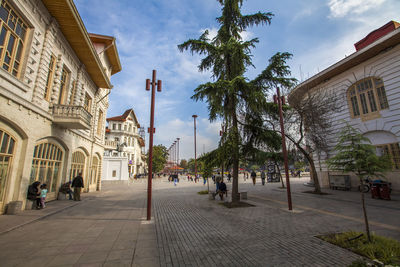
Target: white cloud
<point>341,8</point>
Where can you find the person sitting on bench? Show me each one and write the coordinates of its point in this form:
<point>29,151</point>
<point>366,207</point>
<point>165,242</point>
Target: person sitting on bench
<point>222,190</point>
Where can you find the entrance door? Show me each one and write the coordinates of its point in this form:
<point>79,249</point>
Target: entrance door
<point>7,144</point>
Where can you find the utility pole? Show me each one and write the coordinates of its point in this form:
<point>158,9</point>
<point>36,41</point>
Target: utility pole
<point>177,154</point>
<point>151,131</point>
<point>281,101</point>
<point>195,153</point>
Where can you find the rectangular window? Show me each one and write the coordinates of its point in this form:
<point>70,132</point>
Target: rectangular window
<point>113,126</point>
<point>50,75</point>
<point>100,122</point>
<point>114,173</point>
<point>372,103</point>
<point>88,102</point>
<point>354,103</point>
<point>73,93</point>
<point>12,37</point>
<point>363,101</point>
<point>125,127</point>
<point>63,85</point>
<point>383,103</point>
<point>119,126</point>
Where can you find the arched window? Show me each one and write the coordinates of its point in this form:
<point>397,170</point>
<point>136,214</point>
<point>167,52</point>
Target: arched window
<point>77,164</point>
<point>7,144</point>
<point>94,172</point>
<point>366,98</point>
<point>47,159</point>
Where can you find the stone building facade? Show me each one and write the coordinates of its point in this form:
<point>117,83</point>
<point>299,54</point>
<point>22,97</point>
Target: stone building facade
<point>124,143</point>
<point>368,85</point>
<point>54,85</point>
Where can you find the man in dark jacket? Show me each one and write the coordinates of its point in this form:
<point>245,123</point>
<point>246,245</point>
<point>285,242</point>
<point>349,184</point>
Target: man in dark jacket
<point>34,194</point>
<point>77,184</point>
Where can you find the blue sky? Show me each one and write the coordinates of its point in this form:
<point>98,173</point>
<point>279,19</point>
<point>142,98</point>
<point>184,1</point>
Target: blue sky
<point>317,32</point>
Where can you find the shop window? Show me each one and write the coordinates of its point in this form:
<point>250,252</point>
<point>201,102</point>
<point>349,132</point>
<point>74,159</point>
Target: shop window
<point>12,37</point>
<point>393,150</point>
<point>7,144</point>
<point>46,163</point>
<point>50,75</point>
<point>366,98</point>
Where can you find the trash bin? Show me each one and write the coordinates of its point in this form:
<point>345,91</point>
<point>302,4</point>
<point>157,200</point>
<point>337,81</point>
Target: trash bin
<point>384,191</point>
<point>375,190</point>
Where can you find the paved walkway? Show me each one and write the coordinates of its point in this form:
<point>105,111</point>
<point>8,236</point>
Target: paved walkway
<point>108,228</point>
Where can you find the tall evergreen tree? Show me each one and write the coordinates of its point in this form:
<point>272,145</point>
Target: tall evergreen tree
<point>231,95</point>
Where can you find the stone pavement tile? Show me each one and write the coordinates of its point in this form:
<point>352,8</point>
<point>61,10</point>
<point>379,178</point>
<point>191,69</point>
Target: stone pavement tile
<point>123,254</point>
<point>76,248</point>
<point>100,246</point>
<point>93,257</point>
<point>149,243</point>
<point>47,251</point>
<point>146,262</point>
<point>35,260</point>
<point>124,244</point>
<point>11,262</point>
<point>141,252</point>
<point>65,259</point>
<point>117,263</point>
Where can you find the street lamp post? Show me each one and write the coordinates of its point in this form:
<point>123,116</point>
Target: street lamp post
<point>177,153</point>
<point>195,153</point>
<point>281,100</point>
<point>151,131</point>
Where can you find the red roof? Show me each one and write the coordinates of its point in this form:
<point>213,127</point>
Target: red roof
<point>376,34</point>
<point>124,116</point>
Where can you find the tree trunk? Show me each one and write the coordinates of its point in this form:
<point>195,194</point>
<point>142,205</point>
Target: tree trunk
<point>235,158</point>
<point>279,172</point>
<point>314,175</point>
<point>365,212</point>
<point>317,187</point>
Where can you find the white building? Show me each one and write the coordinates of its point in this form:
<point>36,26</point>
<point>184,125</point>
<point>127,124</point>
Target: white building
<point>368,82</point>
<point>54,81</point>
<point>123,155</point>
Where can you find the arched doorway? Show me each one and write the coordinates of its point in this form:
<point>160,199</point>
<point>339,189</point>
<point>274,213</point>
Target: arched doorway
<point>7,144</point>
<point>77,164</point>
<point>46,163</point>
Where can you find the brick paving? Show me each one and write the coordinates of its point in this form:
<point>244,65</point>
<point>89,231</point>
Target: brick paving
<point>109,228</point>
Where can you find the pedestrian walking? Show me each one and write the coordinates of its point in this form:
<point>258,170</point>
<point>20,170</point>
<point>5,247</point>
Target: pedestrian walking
<point>253,177</point>
<point>43,195</point>
<point>263,178</point>
<point>77,184</point>
<point>176,179</point>
<point>229,177</point>
<point>218,180</point>
<point>34,194</point>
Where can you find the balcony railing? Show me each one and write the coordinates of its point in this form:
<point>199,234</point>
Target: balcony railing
<point>110,145</point>
<point>73,117</point>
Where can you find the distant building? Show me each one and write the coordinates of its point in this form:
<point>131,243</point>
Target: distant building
<point>368,83</point>
<point>54,82</point>
<point>123,154</point>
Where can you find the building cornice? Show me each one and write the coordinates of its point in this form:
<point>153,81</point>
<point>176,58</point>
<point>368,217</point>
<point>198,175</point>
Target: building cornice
<point>383,44</point>
<point>72,27</point>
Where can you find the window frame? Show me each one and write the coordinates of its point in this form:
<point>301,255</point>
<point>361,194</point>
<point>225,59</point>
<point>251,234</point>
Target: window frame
<point>366,98</point>
<point>50,77</point>
<point>19,46</point>
<point>393,150</point>
<point>64,82</point>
